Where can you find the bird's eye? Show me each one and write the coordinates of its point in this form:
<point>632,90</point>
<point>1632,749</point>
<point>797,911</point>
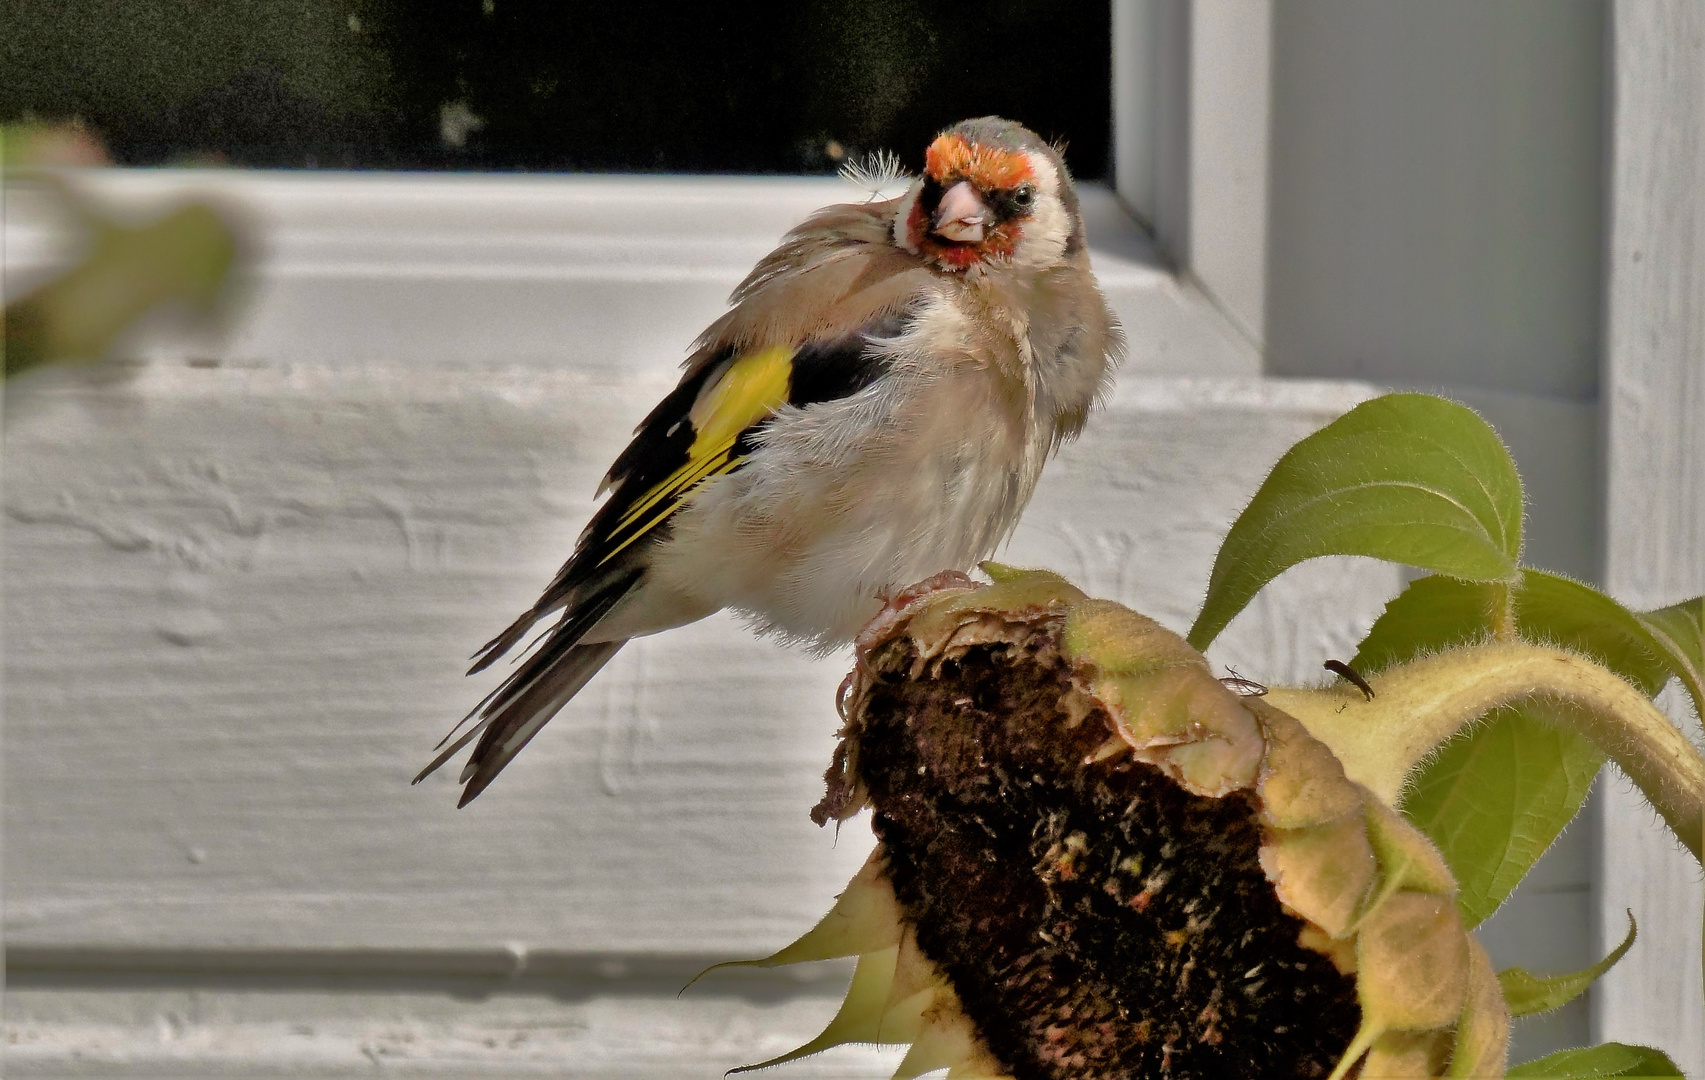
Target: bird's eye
<point>1025,197</point>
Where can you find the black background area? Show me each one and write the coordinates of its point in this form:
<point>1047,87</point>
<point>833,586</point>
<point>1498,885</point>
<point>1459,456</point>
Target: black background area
<point>555,84</point>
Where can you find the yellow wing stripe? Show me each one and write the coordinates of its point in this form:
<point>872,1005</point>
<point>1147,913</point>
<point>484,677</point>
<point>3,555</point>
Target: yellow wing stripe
<point>682,478</point>
<point>719,464</point>
<point>670,485</point>
<point>752,387</point>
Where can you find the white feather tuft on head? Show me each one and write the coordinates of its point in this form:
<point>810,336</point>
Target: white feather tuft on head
<point>875,174</point>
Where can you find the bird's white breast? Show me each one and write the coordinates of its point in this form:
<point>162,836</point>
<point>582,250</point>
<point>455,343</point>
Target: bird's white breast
<point>925,470</point>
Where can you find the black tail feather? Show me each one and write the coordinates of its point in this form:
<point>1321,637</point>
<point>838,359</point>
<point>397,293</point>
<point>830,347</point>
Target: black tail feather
<point>554,672</point>
<point>502,643</point>
<point>514,726</point>
<point>445,755</point>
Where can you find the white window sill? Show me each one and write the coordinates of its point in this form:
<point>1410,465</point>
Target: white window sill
<point>617,273</point>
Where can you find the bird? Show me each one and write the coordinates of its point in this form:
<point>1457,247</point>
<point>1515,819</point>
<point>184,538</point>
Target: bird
<point>874,407</point>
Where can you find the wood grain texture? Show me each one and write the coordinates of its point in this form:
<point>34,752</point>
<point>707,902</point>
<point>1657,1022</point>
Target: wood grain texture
<point>597,273</point>
<point>594,1029</point>
<point>1655,542</point>
<point>239,603</point>
<point>1230,118</point>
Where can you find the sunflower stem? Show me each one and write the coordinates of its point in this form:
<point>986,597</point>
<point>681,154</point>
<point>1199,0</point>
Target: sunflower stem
<point>1417,706</point>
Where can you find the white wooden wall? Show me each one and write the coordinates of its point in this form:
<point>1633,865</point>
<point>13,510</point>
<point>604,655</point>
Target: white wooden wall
<point>1655,479</point>
<point>1499,202</point>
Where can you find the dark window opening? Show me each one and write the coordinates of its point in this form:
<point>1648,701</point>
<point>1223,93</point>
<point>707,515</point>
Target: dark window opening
<point>737,86</point>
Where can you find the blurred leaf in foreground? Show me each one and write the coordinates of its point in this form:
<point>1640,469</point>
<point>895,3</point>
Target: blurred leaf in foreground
<point>50,146</point>
<point>183,256</point>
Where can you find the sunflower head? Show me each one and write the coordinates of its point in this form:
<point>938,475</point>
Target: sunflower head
<point>1094,860</point>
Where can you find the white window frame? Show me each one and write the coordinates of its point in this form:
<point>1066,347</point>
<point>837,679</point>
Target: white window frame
<point>1194,128</point>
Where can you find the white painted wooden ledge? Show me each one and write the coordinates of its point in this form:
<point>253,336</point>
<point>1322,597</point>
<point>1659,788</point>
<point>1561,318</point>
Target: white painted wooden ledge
<point>242,580</point>
<point>592,272</point>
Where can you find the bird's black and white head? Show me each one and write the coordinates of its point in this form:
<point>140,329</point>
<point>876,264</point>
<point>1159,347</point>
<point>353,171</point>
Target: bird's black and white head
<point>993,194</point>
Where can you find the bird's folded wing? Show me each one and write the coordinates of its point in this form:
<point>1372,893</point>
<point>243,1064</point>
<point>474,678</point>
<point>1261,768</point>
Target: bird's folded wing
<point>705,427</point>
<point>738,395</point>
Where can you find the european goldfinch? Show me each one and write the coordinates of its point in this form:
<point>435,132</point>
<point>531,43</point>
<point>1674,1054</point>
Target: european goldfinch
<point>874,408</point>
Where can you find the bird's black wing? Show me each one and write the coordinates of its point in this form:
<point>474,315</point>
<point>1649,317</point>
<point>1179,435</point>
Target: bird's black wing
<point>705,427</point>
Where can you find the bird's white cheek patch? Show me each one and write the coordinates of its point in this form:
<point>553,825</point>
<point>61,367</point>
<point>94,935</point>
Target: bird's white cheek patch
<point>1042,240</point>
<point>903,218</point>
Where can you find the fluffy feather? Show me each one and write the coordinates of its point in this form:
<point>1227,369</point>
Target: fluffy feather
<point>875,173</point>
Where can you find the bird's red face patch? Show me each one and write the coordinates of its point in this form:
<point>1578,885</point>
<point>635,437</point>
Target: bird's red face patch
<point>950,159</point>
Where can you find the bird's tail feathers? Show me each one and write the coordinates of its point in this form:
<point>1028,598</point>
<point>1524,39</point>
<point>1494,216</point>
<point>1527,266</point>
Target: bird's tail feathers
<point>508,717</point>
<point>512,726</point>
<point>502,643</point>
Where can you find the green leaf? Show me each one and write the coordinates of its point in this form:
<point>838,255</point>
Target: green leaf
<point>1495,798</point>
<point>1437,612</point>
<point>1680,631</point>
<point>1411,478</point>
<point>1431,614</point>
<point>1595,1062</point>
<point>1556,610</point>
<point>1527,993</point>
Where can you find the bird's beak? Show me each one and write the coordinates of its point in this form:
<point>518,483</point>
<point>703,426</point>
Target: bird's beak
<point>961,215</point>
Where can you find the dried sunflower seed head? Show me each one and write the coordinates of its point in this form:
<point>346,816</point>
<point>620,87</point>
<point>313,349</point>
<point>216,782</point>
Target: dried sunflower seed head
<point>1094,861</point>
